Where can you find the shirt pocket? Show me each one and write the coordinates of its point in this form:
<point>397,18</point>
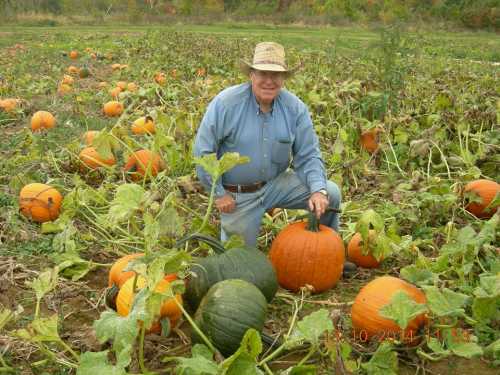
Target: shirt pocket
<point>281,151</point>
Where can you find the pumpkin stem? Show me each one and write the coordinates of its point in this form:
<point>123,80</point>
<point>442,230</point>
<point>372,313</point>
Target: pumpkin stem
<point>111,295</point>
<point>312,222</point>
<point>210,241</point>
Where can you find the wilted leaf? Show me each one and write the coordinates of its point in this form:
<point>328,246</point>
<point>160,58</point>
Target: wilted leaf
<point>44,283</point>
<point>127,201</point>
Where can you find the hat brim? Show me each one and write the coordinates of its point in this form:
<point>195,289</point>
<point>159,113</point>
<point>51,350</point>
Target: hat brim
<point>246,68</point>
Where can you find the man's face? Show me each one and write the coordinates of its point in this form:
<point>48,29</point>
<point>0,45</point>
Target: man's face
<point>266,85</point>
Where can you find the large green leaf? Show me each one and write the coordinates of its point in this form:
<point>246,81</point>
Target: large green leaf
<point>127,201</point>
<point>96,363</point>
<point>402,309</point>
<point>244,360</point>
<point>311,327</point>
<point>445,302</point>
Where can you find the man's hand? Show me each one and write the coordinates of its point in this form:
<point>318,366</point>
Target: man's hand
<point>225,204</point>
<point>318,203</point>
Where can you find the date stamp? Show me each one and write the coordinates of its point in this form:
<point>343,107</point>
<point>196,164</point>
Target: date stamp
<point>458,334</point>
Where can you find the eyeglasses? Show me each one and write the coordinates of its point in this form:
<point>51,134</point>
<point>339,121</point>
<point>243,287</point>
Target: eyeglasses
<point>274,76</point>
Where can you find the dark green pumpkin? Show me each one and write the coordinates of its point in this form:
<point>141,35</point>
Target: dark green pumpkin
<point>227,311</point>
<point>246,263</point>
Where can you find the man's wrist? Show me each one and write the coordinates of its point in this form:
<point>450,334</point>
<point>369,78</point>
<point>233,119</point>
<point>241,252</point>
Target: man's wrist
<point>323,191</point>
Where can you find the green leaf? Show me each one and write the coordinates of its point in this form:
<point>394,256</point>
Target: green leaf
<point>445,302</point>
<point>216,168</point>
<point>105,143</point>
<point>97,364</point>
<point>402,309</point>
<point>418,276</point>
<point>302,370</point>
<point>151,231</point>
<point>493,350</point>
<point>435,345</point>
<point>311,327</point>
<point>127,201</point>
<point>244,360</point>
<point>460,344</point>
<point>122,330</point>
<point>383,362</point>
<point>71,265</point>
<point>6,316</point>
<point>44,283</point>
<point>40,330</point>
<point>200,363</point>
<point>369,220</point>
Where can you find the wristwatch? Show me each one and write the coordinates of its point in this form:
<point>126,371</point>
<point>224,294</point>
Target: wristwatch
<point>324,192</point>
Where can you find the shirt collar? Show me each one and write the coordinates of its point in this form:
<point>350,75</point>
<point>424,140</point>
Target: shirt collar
<point>255,104</point>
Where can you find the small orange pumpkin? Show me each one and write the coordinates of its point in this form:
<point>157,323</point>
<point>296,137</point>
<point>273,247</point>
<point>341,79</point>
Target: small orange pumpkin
<point>42,120</point>
<point>91,158</point>
<point>114,92</point>
<point>355,251</point>
<point>140,162</point>
<point>68,80</point>
<point>143,125</point>
<point>40,202</point>
<point>366,320</point>
<point>307,253</point>
<point>73,69</point>
<point>486,190</point>
<point>8,105</point>
<point>113,108</point>
<point>122,85</point>
<point>116,274</point>
<point>73,55</point>
<point>168,309</point>
<point>370,140</point>
<point>132,87</point>
<point>160,78</point>
<point>200,72</point>
<point>116,66</point>
<point>88,136</point>
<point>63,89</point>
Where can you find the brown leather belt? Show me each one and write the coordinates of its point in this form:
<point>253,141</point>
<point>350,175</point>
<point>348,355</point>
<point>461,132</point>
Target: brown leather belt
<point>245,188</point>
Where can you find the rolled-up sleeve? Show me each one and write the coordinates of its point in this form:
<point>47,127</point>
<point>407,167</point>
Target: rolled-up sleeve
<point>207,141</point>
<point>307,161</point>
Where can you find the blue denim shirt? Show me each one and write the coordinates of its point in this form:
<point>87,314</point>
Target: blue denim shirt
<point>273,141</point>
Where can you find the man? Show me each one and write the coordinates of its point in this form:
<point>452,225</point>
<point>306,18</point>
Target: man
<point>270,125</point>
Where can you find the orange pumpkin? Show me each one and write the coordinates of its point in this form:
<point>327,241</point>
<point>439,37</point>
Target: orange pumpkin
<point>116,66</point>
<point>143,125</point>
<point>160,78</point>
<point>370,139</point>
<point>113,108</point>
<point>114,92</point>
<point>307,253</point>
<point>63,89</point>
<point>8,105</point>
<point>132,87</point>
<point>486,190</point>
<point>40,202</point>
<point>116,274</point>
<point>42,120</point>
<point>140,162</point>
<point>355,251</point>
<point>200,72</point>
<point>122,85</point>
<point>68,80</point>
<point>88,136</point>
<point>91,159</point>
<point>73,69</point>
<point>73,55</point>
<point>168,309</point>
<point>366,320</point>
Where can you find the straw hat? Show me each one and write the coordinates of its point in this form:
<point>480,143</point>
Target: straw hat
<point>268,56</point>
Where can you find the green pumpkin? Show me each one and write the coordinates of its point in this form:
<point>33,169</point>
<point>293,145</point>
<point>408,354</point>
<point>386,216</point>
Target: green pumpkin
<point>246,263</point>
<point>227,311</point>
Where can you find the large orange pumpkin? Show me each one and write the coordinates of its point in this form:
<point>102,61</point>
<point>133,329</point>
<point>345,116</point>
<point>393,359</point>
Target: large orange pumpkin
<point>307,253</point>
<point>355,251</point>
<point>91,158</point>
<point>116,274</point>
<point>40,202</point>
<point>366,320</point>
<point>143,161</point>
<point>42,120</point>
<point>370,139</point>
<point>113,108</point>
<point>169,308</point>
<point>486,190</point>
<point>143,125</point>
